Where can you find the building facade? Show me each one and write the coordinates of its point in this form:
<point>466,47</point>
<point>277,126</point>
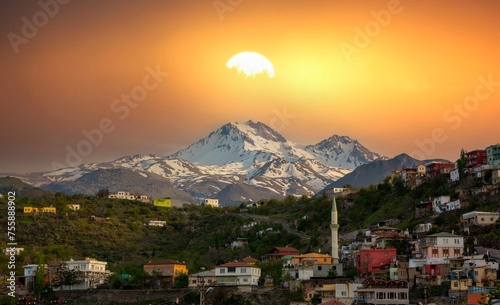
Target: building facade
<point>211,202</point>
<point>237,274</point>
<point>164,203</point>
<point>442,245</point>
<point>493,155</point>
<point>370,259</point>
<point>476,158</point>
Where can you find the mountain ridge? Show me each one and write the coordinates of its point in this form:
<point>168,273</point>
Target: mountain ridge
<point>250,153</point>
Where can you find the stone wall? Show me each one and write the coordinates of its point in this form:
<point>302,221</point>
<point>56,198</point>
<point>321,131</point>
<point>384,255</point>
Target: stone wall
<point>121,296</point>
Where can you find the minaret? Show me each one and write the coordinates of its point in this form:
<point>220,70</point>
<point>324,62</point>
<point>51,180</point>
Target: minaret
<point>334,226</point>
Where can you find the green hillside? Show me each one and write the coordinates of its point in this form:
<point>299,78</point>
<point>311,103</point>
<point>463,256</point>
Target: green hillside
<point>114,230</point>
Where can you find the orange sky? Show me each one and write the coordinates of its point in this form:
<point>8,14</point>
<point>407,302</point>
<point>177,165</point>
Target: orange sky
<point>416,72</point>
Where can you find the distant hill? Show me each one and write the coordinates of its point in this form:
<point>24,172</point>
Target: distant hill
<point>22,189</point>
<point>376,171</point>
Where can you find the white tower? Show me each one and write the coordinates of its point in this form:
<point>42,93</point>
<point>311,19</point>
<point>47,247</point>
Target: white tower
<point>334,226</point>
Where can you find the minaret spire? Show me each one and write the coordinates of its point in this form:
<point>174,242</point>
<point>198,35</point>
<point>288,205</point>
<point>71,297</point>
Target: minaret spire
<point>334,226</point>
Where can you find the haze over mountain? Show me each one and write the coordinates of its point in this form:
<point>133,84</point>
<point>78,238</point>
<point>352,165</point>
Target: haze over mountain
<point>237,162</point>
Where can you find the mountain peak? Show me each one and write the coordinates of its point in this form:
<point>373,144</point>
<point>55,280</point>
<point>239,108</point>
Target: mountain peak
<point>264,131</point>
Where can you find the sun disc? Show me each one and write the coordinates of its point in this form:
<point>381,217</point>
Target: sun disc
<point>251,64</point>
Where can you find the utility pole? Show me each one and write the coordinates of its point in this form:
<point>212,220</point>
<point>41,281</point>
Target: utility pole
<point>201,284</point>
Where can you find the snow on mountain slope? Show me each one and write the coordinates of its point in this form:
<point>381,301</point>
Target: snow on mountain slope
<point>248,153</point>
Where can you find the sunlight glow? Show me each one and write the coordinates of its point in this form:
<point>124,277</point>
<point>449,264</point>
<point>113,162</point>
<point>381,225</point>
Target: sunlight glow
<point>251,64</point>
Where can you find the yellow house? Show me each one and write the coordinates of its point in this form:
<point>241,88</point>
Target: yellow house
<point>28,210</point>
<point>312,259</point>
<point>49,210</point>
<point>166,268</point>
<point>165,202</point>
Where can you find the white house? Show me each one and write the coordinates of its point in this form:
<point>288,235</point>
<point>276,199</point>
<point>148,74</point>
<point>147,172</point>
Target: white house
<point>29,275</point>
<point>128,196</point>
<point>455,175</point>
<point>74,207</point>
<point>93,273</point>
<point>156,223</point>
<point>443,204</point>
<point>423,227</point>
<point>237,274</point>
<point>442,245</point>
<point>212,202</point>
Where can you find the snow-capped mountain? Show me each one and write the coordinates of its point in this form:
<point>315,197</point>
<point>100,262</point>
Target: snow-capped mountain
<point>252,158</point>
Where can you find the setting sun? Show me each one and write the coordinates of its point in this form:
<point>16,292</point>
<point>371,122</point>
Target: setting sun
<point>251,64</point>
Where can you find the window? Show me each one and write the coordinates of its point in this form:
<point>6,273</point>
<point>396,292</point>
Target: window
<point>392,295</point>
<point>193,281</point>
<point>446,252</point>
<point>222,270</point>
<point>320,268</point>
<point>482,218</point>
<point>344,293</point>
<point>445,241</point>
<point>403,296</point>
<point>380,295</point>
<point>243,270</point>
<point>231,269</point>
<point>434,252</point>
<point>245,280</point>
<point>455,284</point>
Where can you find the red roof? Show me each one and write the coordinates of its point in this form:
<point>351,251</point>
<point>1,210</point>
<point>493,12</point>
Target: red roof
<point>236,264</point>
<point>286,250</point>
<point>249,260</point>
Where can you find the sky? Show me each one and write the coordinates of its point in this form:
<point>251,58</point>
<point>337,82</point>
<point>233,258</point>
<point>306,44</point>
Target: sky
<point>92,81</point>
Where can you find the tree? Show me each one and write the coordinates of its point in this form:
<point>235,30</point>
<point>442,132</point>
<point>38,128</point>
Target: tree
<point>39,277</point>
<point>181,280</point>
<point>462,164</point>
<point>332,272</point>
<point>102,193</point>
<point>66,277</point>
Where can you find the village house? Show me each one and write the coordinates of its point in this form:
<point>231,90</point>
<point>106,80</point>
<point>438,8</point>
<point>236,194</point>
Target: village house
<point>383,292</point>
<point>128,196</point>
<point>278,252</point>
<point>374,260</point>
<point>94,273</point>
<point>203,278</point>
<point>237,274</point>
<point>30,210</point>
<point>479,219</point>
<point>211,202</point>
<point>165,270</point>
<point>493,155</point>
<point>306,266</point>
